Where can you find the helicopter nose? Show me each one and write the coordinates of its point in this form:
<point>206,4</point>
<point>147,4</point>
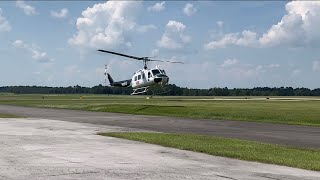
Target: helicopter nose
<point>163,79</point>
<point>157,79</point>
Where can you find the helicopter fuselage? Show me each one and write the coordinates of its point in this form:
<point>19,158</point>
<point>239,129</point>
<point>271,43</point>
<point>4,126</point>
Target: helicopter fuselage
<point>148,77</point>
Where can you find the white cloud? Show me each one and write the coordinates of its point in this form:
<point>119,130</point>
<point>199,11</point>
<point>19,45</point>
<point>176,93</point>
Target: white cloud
<point>4,24</point>
<point>296,72</point>
<point>176,26</point>
<point>35,50</point>
<point>273,66</point>
<point>189,9</point>
<point>174,37</point>
<point>63,13</point>
<point>19,44</point>
<point>300,26</point>
<point>155,52</point>
<point>168,43</point>
<point>316,66</point>
<point>246,38</point>
<point>146,28</point>
<point>220,24</point>
<point>157,7</point>
<point>107,25</point>
<point>28,10</point>
<point>234,69</point>
<point>229,62</point>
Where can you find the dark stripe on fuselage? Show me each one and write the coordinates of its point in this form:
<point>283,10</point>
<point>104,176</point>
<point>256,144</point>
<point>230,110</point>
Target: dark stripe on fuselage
<point>124,83</point>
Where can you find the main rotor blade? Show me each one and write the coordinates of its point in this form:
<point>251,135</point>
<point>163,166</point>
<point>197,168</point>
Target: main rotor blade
<point>177,62</point>
<point>119,54</point>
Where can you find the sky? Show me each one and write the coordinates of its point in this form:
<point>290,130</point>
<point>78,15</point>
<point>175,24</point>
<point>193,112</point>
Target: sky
<point>239,44</point>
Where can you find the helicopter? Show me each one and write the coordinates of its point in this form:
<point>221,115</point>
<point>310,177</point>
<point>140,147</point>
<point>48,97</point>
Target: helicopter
<point>143,78</point>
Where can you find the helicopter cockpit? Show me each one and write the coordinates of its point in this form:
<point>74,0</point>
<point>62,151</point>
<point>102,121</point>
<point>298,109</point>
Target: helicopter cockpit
<point>159,76</point>
<point>157,71</point>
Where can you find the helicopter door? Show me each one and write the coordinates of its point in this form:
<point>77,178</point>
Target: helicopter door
<point>149,75</point>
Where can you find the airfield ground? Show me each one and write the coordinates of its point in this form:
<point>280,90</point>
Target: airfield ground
<point>283,110</point>
<point>278,111</point>
<point>50,149</point>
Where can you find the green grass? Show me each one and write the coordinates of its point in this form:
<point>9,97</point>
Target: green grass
<point>239,149</point>
<point>304,111</point>
<point>8,116</point>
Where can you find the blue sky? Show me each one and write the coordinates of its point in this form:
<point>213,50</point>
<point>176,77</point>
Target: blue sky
<point>240,44</point>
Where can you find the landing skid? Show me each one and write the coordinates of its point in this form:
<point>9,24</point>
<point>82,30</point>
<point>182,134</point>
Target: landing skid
<point>163,92</point>
<point>143,90</point>
<point>140,90</point>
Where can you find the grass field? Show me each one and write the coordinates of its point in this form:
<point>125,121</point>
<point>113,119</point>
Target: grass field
<point>285,110</point>
<point>239,149</point>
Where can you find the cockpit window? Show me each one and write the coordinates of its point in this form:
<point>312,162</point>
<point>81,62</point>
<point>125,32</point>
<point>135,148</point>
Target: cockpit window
<point>155,72</point>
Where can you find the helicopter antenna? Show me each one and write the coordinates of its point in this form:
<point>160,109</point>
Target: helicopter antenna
<point>144,59</point>
<point>105,75</point>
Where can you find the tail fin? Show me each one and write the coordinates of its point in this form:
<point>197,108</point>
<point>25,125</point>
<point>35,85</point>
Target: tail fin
<point>110,78</point>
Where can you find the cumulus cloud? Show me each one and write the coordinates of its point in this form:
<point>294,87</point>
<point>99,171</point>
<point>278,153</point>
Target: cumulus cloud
<point>107,24</point>
<point>146,28</point>
<point>189,9</point>
<point>4,24</point>
<point>316,66</point>
<point>157,7</point>
<point>174,36</point>
<point>37,54</point>
<point>299,26</point>
<point>63,13</point>
<point>229,62</point>
<point>176,26</point>
<point>246,38</point>
<point>28,10</point>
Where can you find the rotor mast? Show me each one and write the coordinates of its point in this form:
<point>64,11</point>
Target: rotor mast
<point>145,64</point>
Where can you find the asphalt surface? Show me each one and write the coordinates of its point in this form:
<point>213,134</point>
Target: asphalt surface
<point>299,136</point>
<point>50,149</point>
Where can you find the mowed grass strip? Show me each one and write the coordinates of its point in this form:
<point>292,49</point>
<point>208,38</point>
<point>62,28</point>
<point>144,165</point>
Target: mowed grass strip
<point>8,116</point>
<point>283,112</point>
<point>232,148</point>
<point>298,111</point>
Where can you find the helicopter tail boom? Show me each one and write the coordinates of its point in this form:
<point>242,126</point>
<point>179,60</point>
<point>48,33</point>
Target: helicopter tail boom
<point>124,83</point>
<point>111,81</point>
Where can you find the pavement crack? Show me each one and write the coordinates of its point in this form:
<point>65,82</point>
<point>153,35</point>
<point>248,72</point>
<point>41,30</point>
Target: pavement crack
<point>225,177</point>
<point>75,173</point>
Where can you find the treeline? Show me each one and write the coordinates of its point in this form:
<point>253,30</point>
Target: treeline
<point>172,89</point>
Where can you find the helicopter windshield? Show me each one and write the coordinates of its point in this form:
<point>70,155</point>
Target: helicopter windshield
<point>155,72</point>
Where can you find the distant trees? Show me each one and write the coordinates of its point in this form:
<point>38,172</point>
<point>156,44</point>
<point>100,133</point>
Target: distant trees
<point>172,89</point>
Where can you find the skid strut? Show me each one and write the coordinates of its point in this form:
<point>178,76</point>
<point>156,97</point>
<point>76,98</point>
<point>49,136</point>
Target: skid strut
<point>140,90</point>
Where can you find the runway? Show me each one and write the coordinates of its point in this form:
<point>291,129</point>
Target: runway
<point>299,136</point>
<point>35,148</point>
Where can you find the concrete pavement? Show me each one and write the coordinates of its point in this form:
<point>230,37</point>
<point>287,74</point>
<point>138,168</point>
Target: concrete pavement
<point>300,136</point>
<point>51,149</point>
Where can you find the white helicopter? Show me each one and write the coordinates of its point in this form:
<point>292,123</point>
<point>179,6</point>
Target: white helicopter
<point>143,78</point>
